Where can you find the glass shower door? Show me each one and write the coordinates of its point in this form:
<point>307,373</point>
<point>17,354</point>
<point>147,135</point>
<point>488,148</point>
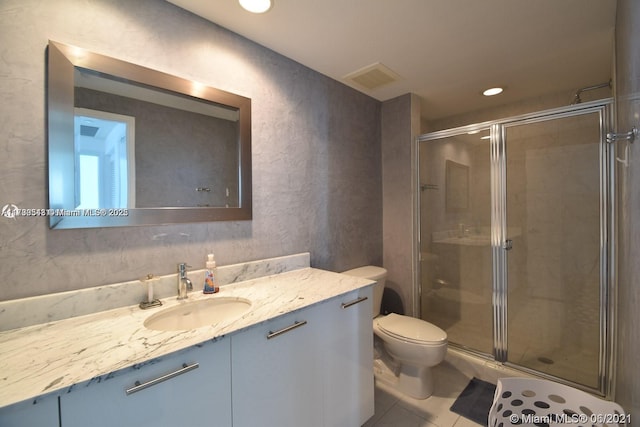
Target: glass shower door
<point>553,228</point>
<point>455,239</point>
<point>517,241</point>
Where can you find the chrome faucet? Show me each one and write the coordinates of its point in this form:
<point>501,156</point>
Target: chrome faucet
<point>184,284</point>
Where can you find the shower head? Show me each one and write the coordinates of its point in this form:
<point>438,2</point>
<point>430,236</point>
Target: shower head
<point>578,100</point>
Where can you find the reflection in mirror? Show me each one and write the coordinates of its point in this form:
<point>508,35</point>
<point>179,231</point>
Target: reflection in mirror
<point>161,148</point>
<point>457,186</point>
<point>104,160</point>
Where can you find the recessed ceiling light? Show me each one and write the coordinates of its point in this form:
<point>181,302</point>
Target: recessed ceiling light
<point>492,91</point>
<point>256,6</point>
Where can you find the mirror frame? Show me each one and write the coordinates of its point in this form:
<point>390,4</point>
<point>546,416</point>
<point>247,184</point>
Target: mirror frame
<point>62,60</point>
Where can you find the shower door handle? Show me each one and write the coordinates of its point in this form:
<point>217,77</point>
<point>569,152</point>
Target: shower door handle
<point>507,245</point>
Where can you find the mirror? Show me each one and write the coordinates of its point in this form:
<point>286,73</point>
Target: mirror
<point>129,145</point>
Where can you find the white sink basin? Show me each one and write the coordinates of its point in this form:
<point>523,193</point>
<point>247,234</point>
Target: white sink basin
<point>194,314</point>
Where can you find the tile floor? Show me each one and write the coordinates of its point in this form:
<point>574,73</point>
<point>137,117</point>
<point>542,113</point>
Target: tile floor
<point>450,377</point>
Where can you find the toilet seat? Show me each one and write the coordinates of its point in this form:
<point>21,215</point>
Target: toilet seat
<point>412,330</point>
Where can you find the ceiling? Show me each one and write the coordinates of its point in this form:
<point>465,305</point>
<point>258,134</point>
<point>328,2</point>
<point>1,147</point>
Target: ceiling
<point>445,51</point>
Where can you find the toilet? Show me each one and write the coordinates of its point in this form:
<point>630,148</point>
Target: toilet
<point>410,346</point>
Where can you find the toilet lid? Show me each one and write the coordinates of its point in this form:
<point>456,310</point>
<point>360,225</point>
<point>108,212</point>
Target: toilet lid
<point>411,329</point>
<point>368,272</point>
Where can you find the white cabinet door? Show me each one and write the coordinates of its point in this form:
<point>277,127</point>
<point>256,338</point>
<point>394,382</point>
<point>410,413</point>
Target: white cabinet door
<point>189,388</point>
<point>39,412</point>
<point>348,357</point>
<point>276,371</point>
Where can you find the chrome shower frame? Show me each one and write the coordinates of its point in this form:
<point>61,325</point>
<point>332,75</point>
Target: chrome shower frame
<point>608,241</point>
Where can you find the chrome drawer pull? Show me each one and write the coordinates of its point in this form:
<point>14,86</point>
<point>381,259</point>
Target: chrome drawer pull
<point>139,387</point>
<point>354,302</point>
<point>285,330</point>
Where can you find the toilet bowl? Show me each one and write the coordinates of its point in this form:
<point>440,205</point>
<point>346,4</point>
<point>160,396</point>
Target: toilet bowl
<point>410,346</point>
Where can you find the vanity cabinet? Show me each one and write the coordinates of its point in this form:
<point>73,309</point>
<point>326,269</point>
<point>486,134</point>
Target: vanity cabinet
<point>39,412</point>
<point>189,388</point>
<point>310,368</point>
<point>277,372</point>
<point>348,359</point>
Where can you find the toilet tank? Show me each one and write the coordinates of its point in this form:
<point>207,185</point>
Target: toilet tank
<point>378,274</point>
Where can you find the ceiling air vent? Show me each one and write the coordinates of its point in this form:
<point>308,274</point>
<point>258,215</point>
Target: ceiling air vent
<point>86,130</point>
<point>373,76</point>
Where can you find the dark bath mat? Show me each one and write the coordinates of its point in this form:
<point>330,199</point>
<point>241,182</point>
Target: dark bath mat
<point>475,401</point>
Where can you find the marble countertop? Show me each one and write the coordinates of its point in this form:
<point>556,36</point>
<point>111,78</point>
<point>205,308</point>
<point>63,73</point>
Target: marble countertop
<point>51,357</point>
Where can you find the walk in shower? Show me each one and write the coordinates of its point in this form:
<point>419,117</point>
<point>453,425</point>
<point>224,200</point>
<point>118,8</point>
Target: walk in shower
<point>515,241</point>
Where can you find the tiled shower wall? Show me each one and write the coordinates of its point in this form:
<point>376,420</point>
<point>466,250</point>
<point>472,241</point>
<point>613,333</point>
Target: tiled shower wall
<point>316,151</point>
<point>628,115</point>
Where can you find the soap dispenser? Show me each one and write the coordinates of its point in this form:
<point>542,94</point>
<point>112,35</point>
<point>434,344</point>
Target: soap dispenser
<point>210,279</point>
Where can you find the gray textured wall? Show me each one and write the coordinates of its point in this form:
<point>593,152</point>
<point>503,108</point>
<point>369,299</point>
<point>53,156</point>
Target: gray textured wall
<point>316,150</point>
<point>399,129</point>
<point>628,114</point>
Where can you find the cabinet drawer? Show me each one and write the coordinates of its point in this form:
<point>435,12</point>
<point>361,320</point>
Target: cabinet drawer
<point>277,378</point>
<point>39,412</point>
<point>348,359</point>
<point>191,388</point>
